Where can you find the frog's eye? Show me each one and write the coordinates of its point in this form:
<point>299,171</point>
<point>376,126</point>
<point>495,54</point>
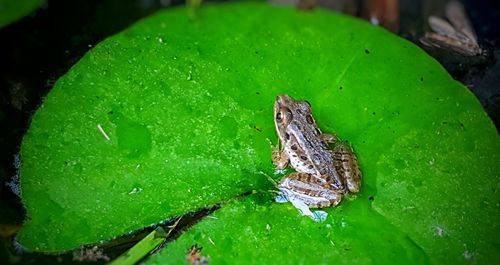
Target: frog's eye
<point>279,117</point>
<point>283,115</point>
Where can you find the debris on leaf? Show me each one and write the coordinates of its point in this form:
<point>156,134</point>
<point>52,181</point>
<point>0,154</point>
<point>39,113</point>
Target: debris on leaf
<point>90,255</point>
<point>194,256</point>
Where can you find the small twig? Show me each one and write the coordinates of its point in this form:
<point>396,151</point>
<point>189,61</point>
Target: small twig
<point>172,227</point>
<point>212,217</point>
<point>269,178</point>
<point>103,132</point>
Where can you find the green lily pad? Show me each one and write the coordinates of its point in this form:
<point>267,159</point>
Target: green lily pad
<point>13,10</point>
<point>253,231</point>
<point>175,114</point>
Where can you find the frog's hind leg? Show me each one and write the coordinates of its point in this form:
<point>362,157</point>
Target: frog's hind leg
<point>346,164</point>
<point>310,190</point>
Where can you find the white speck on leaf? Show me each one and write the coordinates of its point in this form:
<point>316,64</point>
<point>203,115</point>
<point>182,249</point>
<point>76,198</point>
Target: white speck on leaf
<point>468,255</point>
<point>439,231</point>
<point>280,198</point>
<point>135,190</point>
<point>279,171</point>
<point>320,216</point>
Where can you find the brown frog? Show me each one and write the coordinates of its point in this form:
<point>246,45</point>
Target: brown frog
<point>323,175</point>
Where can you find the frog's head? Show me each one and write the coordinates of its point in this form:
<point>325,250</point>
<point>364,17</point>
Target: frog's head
<point>283,110</point>
<point>287,107</point>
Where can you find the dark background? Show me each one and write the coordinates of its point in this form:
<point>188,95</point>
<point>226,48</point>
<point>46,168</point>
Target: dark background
<point>36,50</point>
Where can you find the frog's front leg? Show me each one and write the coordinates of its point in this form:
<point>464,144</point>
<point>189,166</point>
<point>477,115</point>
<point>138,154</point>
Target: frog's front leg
<point>346,164</point>
<point>328,138</point>
<point>310,190</point>
<point>280,158</point>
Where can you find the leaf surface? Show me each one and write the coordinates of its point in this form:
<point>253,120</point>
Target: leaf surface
<point>187,106</point>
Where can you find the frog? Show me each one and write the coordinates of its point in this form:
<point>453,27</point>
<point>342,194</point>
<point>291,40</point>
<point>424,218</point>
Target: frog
<point>323,175</point>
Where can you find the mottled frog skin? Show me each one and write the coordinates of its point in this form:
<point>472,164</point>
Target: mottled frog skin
<point>322,175</point>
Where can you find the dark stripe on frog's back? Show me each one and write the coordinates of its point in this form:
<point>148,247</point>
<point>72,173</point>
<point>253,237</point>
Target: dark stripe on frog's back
<point>314,143</point>
<point>302,140</point>
<point>326,159</point>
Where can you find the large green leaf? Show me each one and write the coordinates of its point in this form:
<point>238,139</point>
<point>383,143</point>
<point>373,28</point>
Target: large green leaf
<point>187,105</point>
<point>255,232</point>
<point>12,10</point>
